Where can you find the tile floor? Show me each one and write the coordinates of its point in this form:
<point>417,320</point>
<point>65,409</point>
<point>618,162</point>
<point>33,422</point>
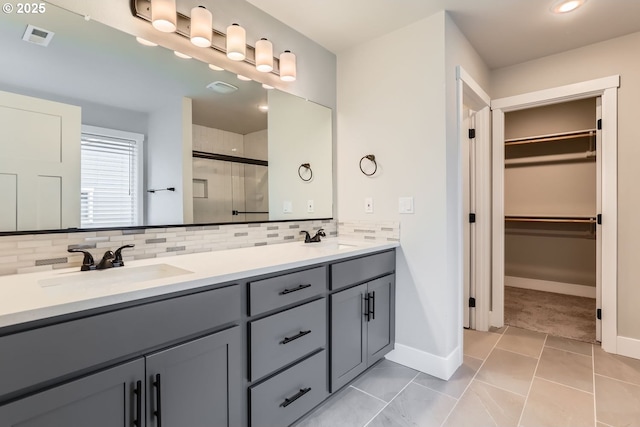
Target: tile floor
<point>510,377</point>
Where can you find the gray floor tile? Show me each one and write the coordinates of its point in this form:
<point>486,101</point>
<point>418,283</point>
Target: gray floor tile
<point>554,405</point>
<point>348,408</point>
<point>479,344</point>
<point>509,371</point>
<point>458,382</point>
<point>385,380</point>
<point>618,367</point>
<point>522,341</point>
<point>564,367</point>
<point>485,405</point>
<point>617,402</point>
<point>498,330</point>
<point>415,406</point>
<point>569,345</point>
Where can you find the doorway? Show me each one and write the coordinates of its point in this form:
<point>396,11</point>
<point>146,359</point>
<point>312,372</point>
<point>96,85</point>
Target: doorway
<point>606,89</point>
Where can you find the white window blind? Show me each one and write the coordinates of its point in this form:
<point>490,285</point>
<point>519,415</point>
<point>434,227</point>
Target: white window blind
<point>110,178</point>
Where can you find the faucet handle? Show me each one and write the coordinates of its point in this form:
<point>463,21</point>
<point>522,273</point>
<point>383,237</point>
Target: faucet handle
<point>117,261</point>
<point>321,233</point>
<point>88,262</point>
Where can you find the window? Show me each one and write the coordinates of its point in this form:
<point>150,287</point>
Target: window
<point>111,178</point>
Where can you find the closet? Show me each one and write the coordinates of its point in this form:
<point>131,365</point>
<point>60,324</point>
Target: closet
<point>551,206</point>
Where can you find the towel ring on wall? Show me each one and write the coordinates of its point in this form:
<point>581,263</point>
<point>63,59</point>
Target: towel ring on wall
<point>306,166</point>
<point>372,159</point>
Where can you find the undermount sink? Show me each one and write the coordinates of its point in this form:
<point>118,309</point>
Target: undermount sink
<point>330,245</point>
<point>115,276</point>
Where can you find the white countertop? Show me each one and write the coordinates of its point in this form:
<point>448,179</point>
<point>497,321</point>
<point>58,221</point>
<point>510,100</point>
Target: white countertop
<point>37,296</point>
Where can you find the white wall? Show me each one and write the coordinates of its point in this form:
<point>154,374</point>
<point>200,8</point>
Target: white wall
<point>298,133</point>
<point>395,112</point>
<point>165,164</point>
<point>616,56</point>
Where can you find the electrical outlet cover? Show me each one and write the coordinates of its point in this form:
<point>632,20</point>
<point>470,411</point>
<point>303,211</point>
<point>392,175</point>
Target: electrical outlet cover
<point>287,207</point>
<point>368,204</point>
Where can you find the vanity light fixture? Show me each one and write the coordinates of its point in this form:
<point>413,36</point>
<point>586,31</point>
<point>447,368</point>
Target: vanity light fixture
<point>215,67</point>
<point>243,78</point>
<point>146,42</point>
<point>564,6</point>
<point>264,56</point>
<point>201,23</point>
<point>163,15</point>
<point>287,66</point>
<point>181,55</point>
<point>236,42</point>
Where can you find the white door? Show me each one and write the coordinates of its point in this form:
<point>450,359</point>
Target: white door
<point>469,207</point>
<point>39,165</point>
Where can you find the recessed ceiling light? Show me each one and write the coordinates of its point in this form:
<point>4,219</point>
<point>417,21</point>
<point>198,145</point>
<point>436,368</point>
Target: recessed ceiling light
<point>565,6</point>
<point>221,87</point>
<point>244,78</point>
<point>215,67</point>
<point>263,108</point>
<point>146,42</point>
<point>266,86</point>
<point>181,55</point>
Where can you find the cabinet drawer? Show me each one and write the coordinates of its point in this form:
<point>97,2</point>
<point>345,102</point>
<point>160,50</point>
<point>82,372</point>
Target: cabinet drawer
<point>275,292</point>
<point>44,354</point>
<point>362,269</point>
<point>284,337</point>
<point>281,400</point>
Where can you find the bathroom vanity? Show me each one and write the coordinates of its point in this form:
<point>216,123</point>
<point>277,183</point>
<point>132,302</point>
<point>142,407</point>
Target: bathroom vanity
<point>247,337</point>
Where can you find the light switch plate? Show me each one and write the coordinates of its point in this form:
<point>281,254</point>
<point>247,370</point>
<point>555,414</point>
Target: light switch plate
<point>405,205</point>
<point>310,207</point>
<point>368,204</point>
<point>287,206</point>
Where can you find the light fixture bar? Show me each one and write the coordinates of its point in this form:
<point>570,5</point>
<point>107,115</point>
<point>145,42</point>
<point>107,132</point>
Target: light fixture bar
<point>142,9</point>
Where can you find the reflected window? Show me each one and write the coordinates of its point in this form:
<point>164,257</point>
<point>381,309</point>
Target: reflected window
<point>111,178</point>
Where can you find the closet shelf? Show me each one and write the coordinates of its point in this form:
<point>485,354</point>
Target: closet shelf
<point>551,137</point>
<point>556,219</point>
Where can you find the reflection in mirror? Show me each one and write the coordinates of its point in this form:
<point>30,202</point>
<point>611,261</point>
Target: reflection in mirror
<point>225,156</point>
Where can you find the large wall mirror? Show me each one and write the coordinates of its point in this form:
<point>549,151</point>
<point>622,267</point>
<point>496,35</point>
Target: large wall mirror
<point>98,130</point>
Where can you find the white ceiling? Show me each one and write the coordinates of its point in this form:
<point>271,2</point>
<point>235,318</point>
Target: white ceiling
<point>503,32</point>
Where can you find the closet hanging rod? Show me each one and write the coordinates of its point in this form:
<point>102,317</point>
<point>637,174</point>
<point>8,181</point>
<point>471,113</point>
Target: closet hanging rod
<point>551,137</point>
<point>554,219</point>
<point>552,158</point>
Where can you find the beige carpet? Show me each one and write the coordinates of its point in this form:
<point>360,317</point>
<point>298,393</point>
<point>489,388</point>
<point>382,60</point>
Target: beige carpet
<point>555,314</point>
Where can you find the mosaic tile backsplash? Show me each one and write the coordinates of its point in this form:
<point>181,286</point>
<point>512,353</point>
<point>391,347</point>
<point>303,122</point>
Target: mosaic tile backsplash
<point>40,252</point>
<point>378,231</point>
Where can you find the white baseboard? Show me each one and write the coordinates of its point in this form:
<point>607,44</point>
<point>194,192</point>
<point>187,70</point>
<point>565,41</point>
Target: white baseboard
<point>549,286</point>
<point>440,367</point>
<point>629,347</point>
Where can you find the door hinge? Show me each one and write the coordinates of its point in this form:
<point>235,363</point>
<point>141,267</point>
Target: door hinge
<point>599,314</point>
<point>472,302</point>
<point>599,219</point>
<point>599,124</point>
<point>472,133</point>
<point>472,218</point>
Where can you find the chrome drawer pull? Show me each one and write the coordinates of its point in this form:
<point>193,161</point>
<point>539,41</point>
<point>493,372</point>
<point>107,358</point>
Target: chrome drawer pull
<point>297,288</point>
<point>287,340</point>
<point>288,401</point>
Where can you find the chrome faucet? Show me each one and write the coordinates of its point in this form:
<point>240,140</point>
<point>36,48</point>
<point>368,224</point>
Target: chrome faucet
<point>314,239</point>
<point>109,259</point>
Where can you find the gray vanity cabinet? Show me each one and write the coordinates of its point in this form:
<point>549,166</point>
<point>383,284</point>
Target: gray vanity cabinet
<point>110,398</point>
<point>196,383</point>
<point>362,328</point>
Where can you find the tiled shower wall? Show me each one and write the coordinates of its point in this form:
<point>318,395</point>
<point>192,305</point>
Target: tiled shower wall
<point>40,252</point>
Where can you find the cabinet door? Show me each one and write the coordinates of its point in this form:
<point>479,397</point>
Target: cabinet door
<point>348,335</point>
<point>111,398</point>
<point>196,383</point>
<point>380,327</point>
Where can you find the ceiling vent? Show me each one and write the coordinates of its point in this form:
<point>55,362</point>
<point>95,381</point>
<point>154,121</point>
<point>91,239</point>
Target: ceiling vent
<point>38,36</point>
<point>221,87</point>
